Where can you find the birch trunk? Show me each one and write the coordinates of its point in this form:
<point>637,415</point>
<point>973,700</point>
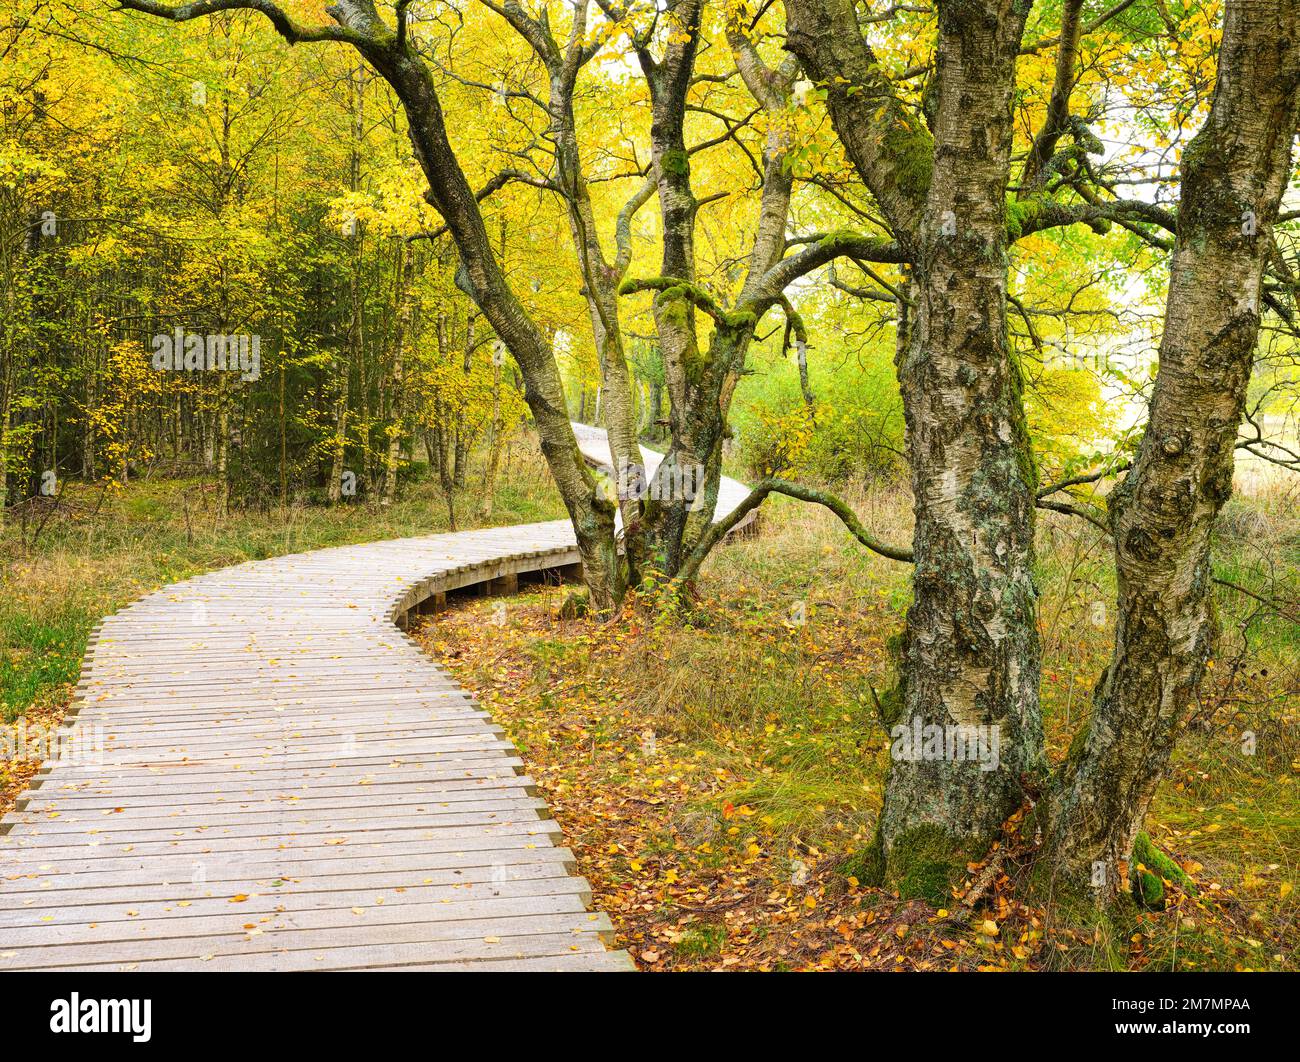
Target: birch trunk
<point>480,276</point>
<point>1163,514</point>
<point>969,656</point>
<point>494,454</point>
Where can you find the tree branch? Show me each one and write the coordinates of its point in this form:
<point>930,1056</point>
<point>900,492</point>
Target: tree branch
<point>825,249</point>
<point>694,294</point>
<point>494,185</point>
<point>718,531</point>
<point>623,226</point>
<point>1058,106</point>
<point>284,25</point>
<point>1091,477</point>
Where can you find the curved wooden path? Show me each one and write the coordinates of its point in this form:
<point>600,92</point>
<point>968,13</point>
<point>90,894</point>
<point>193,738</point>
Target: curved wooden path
<point>288,783</point>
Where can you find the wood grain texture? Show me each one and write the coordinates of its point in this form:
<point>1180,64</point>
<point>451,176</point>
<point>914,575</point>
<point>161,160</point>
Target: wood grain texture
<point>269,775</point>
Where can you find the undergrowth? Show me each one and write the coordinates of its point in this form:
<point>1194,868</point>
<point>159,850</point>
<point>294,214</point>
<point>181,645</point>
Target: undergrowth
<point>717,767</point>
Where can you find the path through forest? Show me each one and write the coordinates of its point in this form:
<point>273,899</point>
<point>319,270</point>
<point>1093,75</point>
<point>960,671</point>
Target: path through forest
<point>268,775</point>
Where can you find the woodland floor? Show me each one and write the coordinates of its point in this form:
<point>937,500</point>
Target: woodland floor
<point>716,779</point>
<point>716,773</point>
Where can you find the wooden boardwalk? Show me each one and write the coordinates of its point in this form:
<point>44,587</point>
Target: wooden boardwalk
<point>271,776</point>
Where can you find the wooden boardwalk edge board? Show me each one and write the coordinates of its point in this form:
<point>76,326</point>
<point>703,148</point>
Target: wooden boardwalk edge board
<point>261,770</point>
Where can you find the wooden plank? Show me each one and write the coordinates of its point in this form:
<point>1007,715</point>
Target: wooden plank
<point>353,900</point>
<point>396,956</point>
<point>266,749</point>
<point>17,860</point>
<point>15,891</point>
<point>273,938</point>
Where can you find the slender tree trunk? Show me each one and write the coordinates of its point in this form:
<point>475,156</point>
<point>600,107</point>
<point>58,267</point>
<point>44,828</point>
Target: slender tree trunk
<point>460,451</point>
<point>494,453</point>
<point>338,443</point>
<point>654,428</point>
<point>6,384</point>
<point>356,308</point>
<point>1163,514</point>
<point>446,474</point>
<point>805,385</point>
<point>4,459</point>
<point>397,410</point>
<point>221,415</point>
<point>282,427</point>
<point>481,278</point>
<point>220,446</point>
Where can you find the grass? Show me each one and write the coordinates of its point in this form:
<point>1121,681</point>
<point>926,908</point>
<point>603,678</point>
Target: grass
<point>714,770</point>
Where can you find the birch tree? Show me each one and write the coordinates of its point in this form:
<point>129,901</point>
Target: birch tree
<point>1162,515</point>
<point>969,655</point>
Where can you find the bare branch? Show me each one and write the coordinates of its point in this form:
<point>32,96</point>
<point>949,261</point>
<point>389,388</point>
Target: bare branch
<point>757,496</point>
<point>623,226</point>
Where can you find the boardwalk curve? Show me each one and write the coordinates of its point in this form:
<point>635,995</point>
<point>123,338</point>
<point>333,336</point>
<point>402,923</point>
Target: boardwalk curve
<point>284,781</point>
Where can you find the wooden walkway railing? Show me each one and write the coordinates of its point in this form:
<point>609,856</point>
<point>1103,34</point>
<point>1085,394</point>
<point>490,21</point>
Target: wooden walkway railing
<point>270,776</point>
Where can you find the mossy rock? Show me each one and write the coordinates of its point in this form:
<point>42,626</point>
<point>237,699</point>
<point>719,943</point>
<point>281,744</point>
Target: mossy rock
<point>867,866</point>
<point>575,606</point>
<point>1151,869</point>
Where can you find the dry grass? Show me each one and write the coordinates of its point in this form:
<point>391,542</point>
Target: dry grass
<point>713,769</point>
